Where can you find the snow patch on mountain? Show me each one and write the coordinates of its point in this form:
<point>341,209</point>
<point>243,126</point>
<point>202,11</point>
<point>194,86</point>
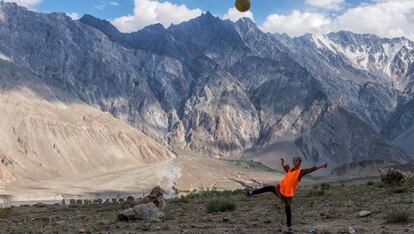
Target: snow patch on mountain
<point>4,57</point>
<point>322,41</point>
<point>390,58</point>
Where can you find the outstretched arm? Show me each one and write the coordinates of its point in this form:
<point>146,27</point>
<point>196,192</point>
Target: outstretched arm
<point>307,171</point>
<point>285,166</point>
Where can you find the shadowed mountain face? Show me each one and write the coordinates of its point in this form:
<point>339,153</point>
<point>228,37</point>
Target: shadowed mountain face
<point>222,88</point>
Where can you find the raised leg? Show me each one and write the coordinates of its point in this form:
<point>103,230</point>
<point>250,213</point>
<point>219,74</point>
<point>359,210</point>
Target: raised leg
<point>265,189</point>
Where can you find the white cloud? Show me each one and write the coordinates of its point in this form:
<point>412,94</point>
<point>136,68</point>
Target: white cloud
<point>295,24</point>
<point>100,6</point>
<point>26,3</point>
<point>149,12</point>
<point>386,18</point>
<point>103,4</point>
<point>328,4</point>
<point>233,14</point>
<point>73,15</point>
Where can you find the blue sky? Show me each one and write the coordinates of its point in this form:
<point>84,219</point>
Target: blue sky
<point>106,9</point>
<point>260,8</point>
<point>125,7</point>
<point>387,18</point>
<point>98,8</point>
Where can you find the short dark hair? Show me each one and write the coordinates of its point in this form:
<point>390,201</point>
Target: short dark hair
<point>298,157</point>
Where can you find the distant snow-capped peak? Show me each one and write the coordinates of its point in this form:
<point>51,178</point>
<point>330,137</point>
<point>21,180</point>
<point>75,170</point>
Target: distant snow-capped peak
<point>391,57</point>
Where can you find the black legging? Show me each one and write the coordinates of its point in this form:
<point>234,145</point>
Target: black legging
<point>272,189</point>
<point>265,189</point>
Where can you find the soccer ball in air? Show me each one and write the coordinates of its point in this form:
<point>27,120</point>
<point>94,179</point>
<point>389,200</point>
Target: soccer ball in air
<point>242,5</point>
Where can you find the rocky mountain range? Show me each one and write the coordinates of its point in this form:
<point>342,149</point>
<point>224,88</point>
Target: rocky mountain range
<point>225,89</point>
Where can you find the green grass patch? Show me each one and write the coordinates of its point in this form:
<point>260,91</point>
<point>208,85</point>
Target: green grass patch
<point>399,190</point>
<point>332,213</point>
<point>5,213</point>
<point>370,183</point>
<point>397,216</point>
<point>169,214</point>
<point>214,206</point>
<point>315,192</point>
<point>203,194</point>
<point>179,200</point>
<point>409,183</point>
<point>325,186</point>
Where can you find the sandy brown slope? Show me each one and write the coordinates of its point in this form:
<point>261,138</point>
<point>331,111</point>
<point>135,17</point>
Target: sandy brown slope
<point>47,134</point>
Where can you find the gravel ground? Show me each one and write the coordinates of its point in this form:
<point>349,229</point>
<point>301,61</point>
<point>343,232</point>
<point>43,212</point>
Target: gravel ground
<point>328,208</point>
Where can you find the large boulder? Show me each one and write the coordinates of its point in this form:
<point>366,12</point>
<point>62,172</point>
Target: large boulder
<point>147,212</point>
<point>393,177</point>
<point>156,196</point>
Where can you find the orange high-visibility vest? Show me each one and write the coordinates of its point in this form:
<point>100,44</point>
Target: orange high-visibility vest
<point>289,183</point>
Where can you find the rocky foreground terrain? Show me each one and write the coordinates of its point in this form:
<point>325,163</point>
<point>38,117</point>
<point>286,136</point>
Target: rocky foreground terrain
<point>353,207</point>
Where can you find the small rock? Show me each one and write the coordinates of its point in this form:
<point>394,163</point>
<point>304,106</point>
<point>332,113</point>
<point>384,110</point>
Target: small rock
<point>316,230</point>
<point>225,219</point>
<point>364,213</point>
<point>130,199</point>
<point>313,230</point>
<point>146,227</point>
<point>39,204</point>
<point>60,222</point>
<point>104,222</point>
<point>351,230</point>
